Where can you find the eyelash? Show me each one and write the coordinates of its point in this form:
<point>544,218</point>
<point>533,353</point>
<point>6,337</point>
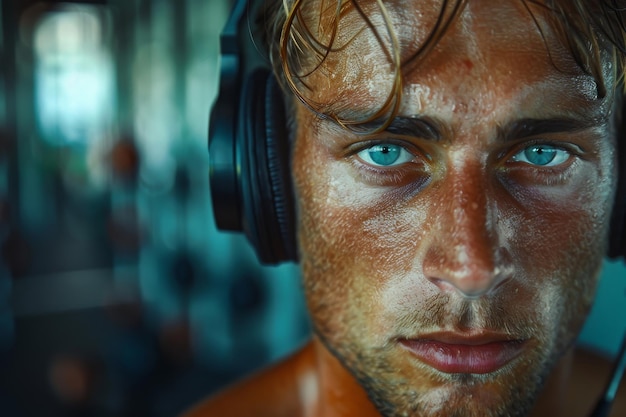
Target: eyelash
<point>392,174</point>
<point>559,147</point>
<point>543,174</point>
<point>573,153</point>
<point>403,155</point>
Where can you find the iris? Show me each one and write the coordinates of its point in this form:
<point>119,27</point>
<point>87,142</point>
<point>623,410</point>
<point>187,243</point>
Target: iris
<point>540,155</point>
<point>385,155</point>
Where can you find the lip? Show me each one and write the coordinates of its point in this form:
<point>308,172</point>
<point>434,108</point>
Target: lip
<point>465,353</point>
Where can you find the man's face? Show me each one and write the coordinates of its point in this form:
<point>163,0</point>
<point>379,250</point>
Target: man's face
<point>450,260</point>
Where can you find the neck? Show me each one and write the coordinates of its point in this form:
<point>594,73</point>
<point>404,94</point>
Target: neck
<point>550,402</point>
<point>340,394</point>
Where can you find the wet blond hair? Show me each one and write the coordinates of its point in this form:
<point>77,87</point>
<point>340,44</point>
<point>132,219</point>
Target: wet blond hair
<point>301,35</point>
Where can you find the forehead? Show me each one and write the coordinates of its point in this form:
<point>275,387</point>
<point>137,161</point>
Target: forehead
<point>507,46</point>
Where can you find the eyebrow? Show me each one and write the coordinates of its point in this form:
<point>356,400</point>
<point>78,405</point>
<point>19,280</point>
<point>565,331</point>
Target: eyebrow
<point>419,126</point>
<point>524,128</point>
<point>431,129</point>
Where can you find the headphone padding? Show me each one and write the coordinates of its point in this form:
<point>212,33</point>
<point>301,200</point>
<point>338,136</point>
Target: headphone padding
<point>279,167</point>
<point>267,197</point>
<point>617,231</point>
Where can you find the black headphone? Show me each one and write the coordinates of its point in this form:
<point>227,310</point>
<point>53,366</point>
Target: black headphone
<point>249,152</point>
<point>249,149</point>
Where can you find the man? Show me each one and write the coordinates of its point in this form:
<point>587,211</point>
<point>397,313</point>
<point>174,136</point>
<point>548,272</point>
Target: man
<point>454,166</point>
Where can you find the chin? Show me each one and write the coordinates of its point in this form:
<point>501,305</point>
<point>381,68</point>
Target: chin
<point>400,387</point>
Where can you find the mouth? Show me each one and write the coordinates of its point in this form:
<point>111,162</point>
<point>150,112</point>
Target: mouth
<point>477,352</point>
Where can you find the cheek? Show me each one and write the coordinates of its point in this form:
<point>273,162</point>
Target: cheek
<point>558,244</point>
<point>354,240</point>
<point>563,232</point>
<point>350,227</point>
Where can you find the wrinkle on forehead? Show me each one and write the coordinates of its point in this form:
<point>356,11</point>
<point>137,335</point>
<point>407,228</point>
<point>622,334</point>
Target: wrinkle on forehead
<point>501,62</point>
<point>518,26</point>
<point>489,42</point>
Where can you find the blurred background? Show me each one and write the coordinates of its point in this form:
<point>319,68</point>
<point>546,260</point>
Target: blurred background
<point>118,297</point>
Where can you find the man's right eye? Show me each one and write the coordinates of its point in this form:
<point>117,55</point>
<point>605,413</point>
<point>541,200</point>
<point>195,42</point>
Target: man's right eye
<point>385,155</point>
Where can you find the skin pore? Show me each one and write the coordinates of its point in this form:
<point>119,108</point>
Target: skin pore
<point>450,224</point>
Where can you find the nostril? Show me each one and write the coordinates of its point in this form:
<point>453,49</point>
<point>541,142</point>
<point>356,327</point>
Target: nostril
<point>470,276</point>
<point>443,285</point>
<point>465,292</point>
<point>470,290</point>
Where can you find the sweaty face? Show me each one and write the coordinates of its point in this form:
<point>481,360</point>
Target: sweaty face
<point>451,259</point>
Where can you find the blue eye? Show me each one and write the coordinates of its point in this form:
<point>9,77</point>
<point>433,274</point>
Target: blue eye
<point>385,154</point>
<point>542,155</point>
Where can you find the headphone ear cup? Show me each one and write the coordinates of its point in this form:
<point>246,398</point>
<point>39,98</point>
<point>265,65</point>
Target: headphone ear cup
<point>617,238</point>
<point>617,233</point>
<point>266,188</point>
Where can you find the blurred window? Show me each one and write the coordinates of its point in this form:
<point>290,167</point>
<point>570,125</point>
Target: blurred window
<point>74,75</point>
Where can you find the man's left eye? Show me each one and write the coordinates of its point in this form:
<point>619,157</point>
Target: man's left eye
<point>385,155</point>
<point>542,155</point>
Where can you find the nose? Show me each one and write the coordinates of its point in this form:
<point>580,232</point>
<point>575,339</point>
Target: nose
<point>465,252</point>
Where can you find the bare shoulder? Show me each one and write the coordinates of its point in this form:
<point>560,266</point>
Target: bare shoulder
<point>589,377</point>
<point>273,391</point>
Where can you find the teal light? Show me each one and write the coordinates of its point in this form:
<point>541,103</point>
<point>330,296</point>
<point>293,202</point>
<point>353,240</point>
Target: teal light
<point>74,76</point>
